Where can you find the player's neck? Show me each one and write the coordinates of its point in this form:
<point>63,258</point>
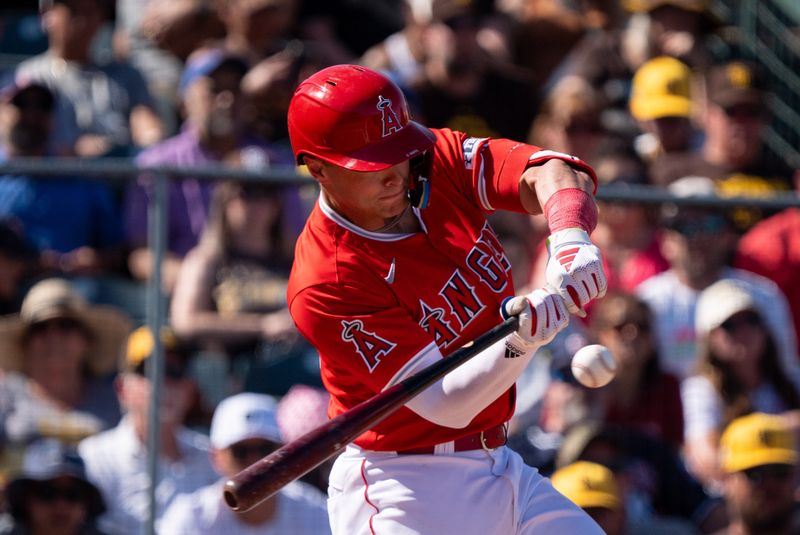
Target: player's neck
<point>405,222</point>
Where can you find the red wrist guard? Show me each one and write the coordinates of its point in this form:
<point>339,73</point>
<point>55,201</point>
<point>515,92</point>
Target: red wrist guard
<point>571,208</point>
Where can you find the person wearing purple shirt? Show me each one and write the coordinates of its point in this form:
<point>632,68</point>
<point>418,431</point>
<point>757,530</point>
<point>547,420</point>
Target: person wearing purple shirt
<point>213,132</point>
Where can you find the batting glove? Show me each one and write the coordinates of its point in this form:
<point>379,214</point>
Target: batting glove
<point>575,268</point>
<point>541,315</point>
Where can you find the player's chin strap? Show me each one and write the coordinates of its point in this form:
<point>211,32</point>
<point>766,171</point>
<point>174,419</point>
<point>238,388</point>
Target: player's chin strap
<point>419,187</point>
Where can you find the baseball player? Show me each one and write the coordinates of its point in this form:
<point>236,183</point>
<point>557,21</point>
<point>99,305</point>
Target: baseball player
<point>396,268</point>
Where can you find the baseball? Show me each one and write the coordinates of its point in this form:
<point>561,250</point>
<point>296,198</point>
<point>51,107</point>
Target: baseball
<point>594,366</point>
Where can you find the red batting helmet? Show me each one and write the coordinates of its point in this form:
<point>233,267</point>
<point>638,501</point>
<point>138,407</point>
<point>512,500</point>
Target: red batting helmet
<point>356,118</point>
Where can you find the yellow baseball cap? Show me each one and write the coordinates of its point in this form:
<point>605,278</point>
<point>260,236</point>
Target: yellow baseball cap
<point>141,343</point>
<point>587,485</point>
<point>645,6</point>
<point>661,88</point>
<point>755,440</point>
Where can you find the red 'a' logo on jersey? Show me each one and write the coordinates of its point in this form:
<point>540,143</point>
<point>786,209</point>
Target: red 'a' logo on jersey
<point>369,345</point>
<point>389,121</point>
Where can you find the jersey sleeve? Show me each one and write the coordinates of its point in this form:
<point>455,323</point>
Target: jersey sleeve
<point>494,168</point>
<point>363,342</point>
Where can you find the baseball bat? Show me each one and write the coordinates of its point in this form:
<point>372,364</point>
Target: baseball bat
<point>265,477</point>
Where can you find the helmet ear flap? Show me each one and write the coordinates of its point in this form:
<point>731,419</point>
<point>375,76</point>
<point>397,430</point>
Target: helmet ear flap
<point>419,187</point>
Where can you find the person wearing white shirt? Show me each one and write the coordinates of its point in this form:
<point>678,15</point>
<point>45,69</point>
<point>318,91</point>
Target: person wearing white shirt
<point>738,372</point>
<point>697,242</point>
<point>244,428</point>
<point>116,460</point>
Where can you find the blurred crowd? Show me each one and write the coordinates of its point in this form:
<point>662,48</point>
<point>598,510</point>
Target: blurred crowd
<point>698,433</point>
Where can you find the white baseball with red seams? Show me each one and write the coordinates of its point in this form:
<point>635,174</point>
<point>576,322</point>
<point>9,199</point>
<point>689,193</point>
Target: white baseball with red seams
<point>594,366</point>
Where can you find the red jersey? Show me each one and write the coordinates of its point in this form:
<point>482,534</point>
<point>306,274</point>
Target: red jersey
<point>374,303</point>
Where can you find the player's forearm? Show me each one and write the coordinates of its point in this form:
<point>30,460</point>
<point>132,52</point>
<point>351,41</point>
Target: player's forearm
<point>456,399</point>
<point>538,183</point>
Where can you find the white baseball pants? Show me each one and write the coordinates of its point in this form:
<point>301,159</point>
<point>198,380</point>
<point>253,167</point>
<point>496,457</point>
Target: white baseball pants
<point>466,493</point>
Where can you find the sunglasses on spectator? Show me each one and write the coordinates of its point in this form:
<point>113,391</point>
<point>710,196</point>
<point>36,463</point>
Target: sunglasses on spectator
<point>743,111</point>
<point>749,319</point>
<point>768,471</point>
<point>50,493</point>
<point>711,224</point>
<point>33,104</point>
<point>60,324</point>
<point>243,452</point>
<point>171,370</point>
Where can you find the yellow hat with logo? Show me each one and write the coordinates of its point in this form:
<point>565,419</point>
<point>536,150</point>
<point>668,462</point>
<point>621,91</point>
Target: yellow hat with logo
<point>587,485</point>
<point>755,440</point>
<point>661,88</point>
<point>141,343</point>
<point>645,6</point>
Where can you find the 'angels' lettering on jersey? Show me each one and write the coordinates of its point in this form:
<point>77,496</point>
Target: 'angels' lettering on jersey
<point>369,345</point>
<point>488,261</point>
<point>462,299</point>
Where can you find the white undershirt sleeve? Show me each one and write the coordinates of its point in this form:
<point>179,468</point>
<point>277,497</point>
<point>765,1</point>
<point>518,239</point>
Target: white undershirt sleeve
<point>459,396</point>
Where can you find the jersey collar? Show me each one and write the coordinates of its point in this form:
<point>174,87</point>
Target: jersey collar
<point>337,218</point>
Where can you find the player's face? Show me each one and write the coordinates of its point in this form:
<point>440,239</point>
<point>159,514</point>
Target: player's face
<point>368,199</point>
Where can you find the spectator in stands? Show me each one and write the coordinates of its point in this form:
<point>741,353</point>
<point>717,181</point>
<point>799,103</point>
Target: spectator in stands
<point>641,395</point>
<point>738,372</point>
<point>179,355</point>
<point>156,38</point>
<point>269,86</point>
<point>59,355</point>
<point>17,258</point>
<point>52,495</point>
<point>697,242</point>
<point>552,25</point>
<point>231,288</point>
<point>677,28</point>
<point>103,109</point>
<point>212,133</point>
<point>569,120</point>
<point>657,490</point>
<point>116,460</point>
<point>256,29</point>
<point>734,116</point>
<point>661,103</point>
<point>772,249</point>
<point>758,455</point>
<point>243,430</point>
<point>402,54</point>
<point>464,86</point>
<point>594,489</point>
<point>72,222</point>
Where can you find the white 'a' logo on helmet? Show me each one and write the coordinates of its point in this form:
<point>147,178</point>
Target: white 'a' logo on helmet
<point>389,120</point>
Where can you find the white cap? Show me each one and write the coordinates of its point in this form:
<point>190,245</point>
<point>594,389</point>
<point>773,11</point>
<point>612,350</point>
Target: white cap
<point>692,186</point>
<point>244,416</point>
<point>719,302</point>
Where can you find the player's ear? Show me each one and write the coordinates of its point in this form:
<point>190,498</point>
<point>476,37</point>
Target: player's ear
<point>315,166</point>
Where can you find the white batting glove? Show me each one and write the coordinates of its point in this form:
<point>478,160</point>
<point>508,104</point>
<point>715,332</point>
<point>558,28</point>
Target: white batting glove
<point>575,268</point>
<point>541,314</point>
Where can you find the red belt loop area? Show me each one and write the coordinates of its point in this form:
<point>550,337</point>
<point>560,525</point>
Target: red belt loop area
<point>488,440</point>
